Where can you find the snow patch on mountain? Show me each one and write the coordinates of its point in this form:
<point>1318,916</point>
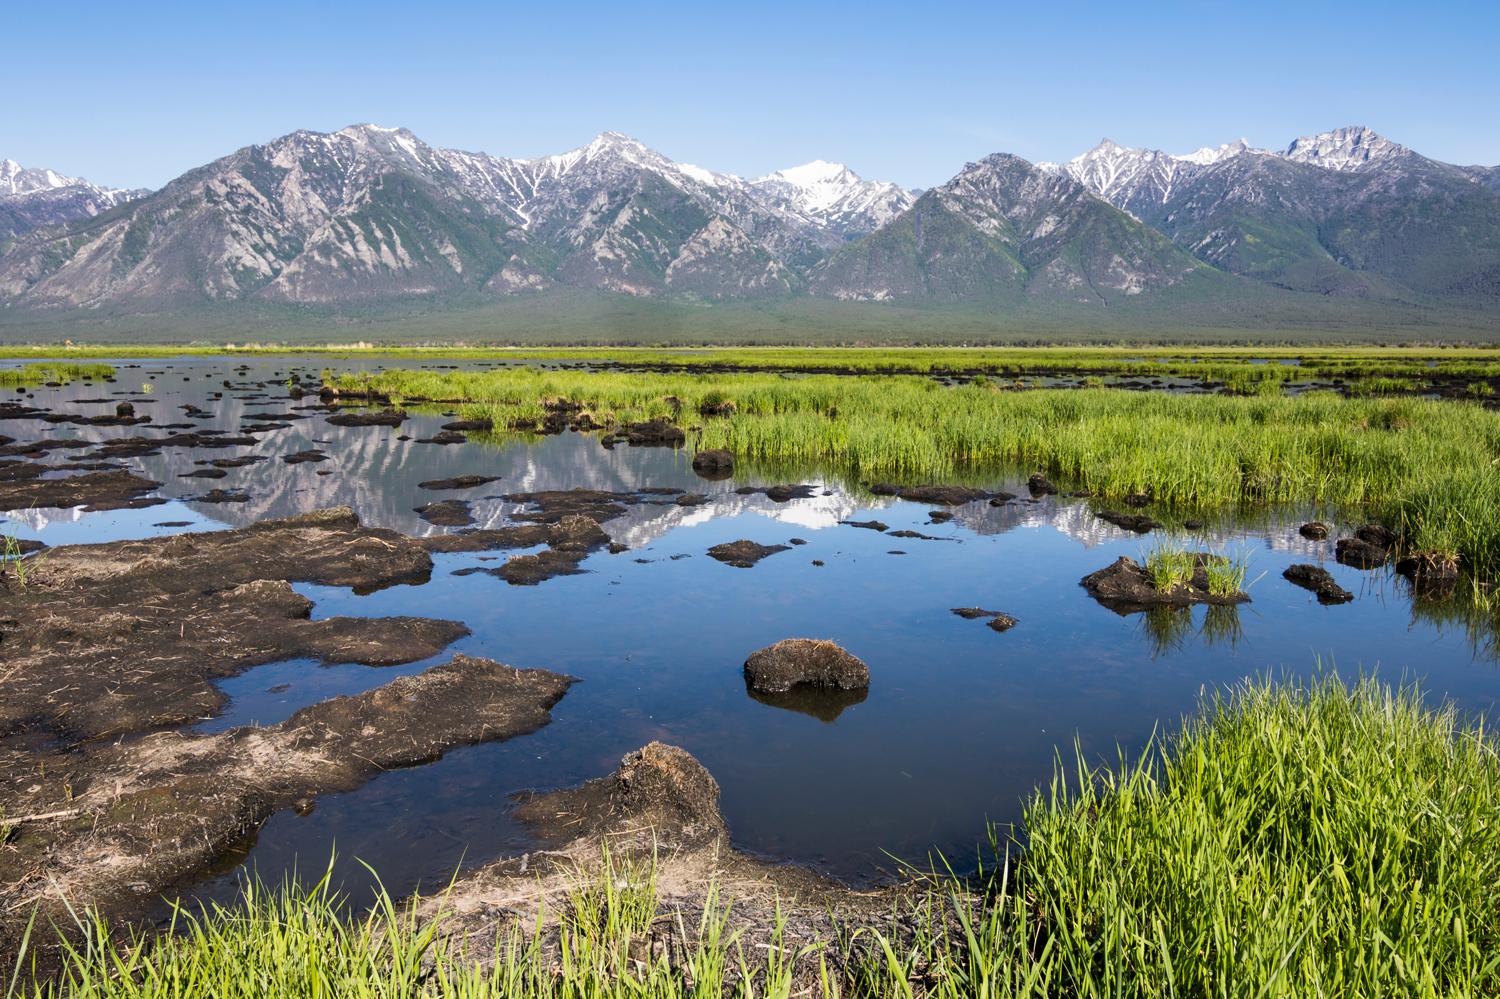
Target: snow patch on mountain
<point>1352,148</point>
<point>832,196</point>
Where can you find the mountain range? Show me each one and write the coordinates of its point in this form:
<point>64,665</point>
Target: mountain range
<point>369,216</point>
<point>31,199</point>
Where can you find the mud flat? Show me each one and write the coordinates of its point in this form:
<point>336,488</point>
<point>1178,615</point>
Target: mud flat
<point>109,649</point>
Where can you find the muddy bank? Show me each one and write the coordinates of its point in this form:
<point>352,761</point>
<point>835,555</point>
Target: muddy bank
<point>569,541</point>
<point>115,825</point>
<point>661,802</point>
<point>126,636</point>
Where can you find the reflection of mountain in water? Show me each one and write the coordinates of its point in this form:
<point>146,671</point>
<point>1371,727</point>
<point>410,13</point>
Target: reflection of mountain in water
<point>378,475</point>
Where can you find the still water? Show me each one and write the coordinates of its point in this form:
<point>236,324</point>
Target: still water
<point>960,723</point>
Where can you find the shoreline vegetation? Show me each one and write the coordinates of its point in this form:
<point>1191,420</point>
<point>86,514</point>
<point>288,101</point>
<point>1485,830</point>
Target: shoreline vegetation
<point>1429,469</point>
<point>1292,839</point>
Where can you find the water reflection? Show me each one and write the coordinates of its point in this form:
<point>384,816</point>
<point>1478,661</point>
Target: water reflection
<point>959,723</point>
<point>822,703</point>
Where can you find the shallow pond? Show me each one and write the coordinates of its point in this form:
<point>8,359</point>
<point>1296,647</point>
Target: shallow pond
<point>960,723</point>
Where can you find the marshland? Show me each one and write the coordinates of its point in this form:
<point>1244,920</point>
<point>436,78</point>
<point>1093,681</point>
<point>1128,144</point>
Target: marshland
<point>394,730</point>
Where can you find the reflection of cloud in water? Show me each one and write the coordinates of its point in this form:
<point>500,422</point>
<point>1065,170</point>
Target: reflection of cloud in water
<point>39,519</point>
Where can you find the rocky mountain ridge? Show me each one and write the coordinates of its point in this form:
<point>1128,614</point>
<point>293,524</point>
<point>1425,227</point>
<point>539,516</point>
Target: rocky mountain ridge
<point>369,215</point>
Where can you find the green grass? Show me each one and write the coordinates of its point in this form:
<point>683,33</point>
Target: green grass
<point>15,562</point>
<point>1430,468</point>
<point>1226,573</point>
<point>1291,840</point>
<point>1169,565</point>
<point>40,372</point>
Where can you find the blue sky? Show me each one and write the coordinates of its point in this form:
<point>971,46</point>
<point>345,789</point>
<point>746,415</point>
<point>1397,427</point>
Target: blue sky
<point>134,95</point>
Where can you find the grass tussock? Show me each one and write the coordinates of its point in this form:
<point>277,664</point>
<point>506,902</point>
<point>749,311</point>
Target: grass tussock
<point>1291,840</point>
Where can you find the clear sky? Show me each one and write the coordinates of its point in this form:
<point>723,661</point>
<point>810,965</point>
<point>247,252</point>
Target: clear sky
<point>136,94</point>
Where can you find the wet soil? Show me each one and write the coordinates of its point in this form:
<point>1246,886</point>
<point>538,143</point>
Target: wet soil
<point>385,418</point>
<point>127,636</point>
<point>109,490</point>
<point>795,662</point>
<point>1125,587</point>
<point>714,464</point>
<point>458,482</point>
<point>661,805</point>
<point>446,513</point>
<point>743,554</point>
<point>114,825</point>
<point>1320,581</point>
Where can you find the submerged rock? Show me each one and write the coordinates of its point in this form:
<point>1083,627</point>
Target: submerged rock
<point>869,525</point>
<point>1320,581</point>
<point>570,541</point>
<point>223,496</point>
<point>1314,530</point>
<point>942,495</point>
<point>443,437</point>
<point>794,661</point>
<point>998,620</point>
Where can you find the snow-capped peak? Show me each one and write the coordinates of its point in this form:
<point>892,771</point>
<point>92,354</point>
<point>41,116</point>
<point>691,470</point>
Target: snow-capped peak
<point>16,179</point>
<point>814,173</point>
<point>606,148</point>
<point>1351,148</point>
<point>832,194</point>
<point>1209,155</point>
